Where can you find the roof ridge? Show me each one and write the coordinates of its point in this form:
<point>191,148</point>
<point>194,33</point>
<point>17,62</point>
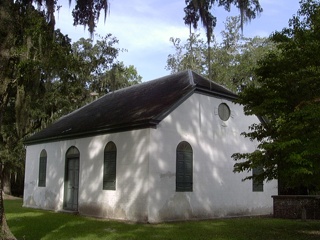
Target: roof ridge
<point>191,79</point>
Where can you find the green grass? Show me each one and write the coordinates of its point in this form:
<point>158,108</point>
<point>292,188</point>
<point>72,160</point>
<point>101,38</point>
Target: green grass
<point>32,224</point>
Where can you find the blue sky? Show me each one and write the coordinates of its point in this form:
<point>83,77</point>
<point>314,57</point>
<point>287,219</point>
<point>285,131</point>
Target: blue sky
<point>144,28</point>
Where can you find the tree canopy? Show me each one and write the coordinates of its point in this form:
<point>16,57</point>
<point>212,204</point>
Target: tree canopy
<point>232,60</point>
<point>87,13</point>
<point>287,98</point>
<point>99,70</point>
<point>202,10</point>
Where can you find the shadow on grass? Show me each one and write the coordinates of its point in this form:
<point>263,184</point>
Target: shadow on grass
<point>32,224</point>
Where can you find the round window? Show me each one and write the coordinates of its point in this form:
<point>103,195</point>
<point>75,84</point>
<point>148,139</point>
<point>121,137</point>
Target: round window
<point>224,111</point>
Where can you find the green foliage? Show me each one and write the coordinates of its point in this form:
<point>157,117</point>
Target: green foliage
<point>99,70</point>
<point>201,10</point>
<point>87,13</point>
<point>191,55</point>
<point>32,224</point>
<point>232,61</point>
<point>20,52</point>
<point>288,97</point>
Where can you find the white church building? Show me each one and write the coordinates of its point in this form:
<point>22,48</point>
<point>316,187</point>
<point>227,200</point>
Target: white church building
<point>153,152</point>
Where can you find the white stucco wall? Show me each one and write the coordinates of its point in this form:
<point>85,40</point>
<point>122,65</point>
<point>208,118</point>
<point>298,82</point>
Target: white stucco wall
<point>217,191</point>
<point>128,201</point>
<point>146,169</point>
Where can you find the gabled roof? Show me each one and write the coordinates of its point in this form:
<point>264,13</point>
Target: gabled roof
<point>139,106</point>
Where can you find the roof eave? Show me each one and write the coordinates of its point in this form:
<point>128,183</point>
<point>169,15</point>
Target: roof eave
<point>106,130</point>
<point>228,96</point>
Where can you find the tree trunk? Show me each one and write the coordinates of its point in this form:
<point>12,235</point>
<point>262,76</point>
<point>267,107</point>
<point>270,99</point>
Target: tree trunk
<point>5,233</point>
<point>5,18</point>
<point>7,183</point>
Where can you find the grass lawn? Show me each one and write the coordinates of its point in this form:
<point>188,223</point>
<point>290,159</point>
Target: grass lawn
<point>32,224</point>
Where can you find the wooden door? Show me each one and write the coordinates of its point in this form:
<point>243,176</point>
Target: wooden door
<point>71,184</point>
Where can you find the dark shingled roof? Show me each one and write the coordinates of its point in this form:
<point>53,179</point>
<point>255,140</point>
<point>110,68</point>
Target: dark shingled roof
<point>139,106</point>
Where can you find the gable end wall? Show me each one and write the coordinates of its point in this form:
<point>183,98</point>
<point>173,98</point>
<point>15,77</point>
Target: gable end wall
<point>217,191</point>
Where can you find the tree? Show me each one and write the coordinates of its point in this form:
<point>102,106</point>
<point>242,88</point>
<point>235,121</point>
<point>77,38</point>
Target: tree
<point>9,56</point>
<point>201,10</point>
<point>232,61</point>
<point>120,76</point>
<point>99,70</point>
<point>287,98</point>
<point>251,51</point>
<point>32,57</point>
<point>235,58</point>
<point>190,55</point>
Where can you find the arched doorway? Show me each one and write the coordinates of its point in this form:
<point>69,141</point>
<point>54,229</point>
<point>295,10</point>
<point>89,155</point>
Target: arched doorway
<point>71,179</point>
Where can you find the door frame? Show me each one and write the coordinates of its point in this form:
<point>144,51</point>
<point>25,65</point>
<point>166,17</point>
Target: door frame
<point>71,154</point>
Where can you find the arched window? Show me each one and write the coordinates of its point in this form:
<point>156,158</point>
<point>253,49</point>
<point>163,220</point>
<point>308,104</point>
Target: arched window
<point>184,168</point>
<point>110,167</point>
<point>73,152</point>
<point>42,169</point>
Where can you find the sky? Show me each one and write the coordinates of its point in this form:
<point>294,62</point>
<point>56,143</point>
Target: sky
<point>144,27</point>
